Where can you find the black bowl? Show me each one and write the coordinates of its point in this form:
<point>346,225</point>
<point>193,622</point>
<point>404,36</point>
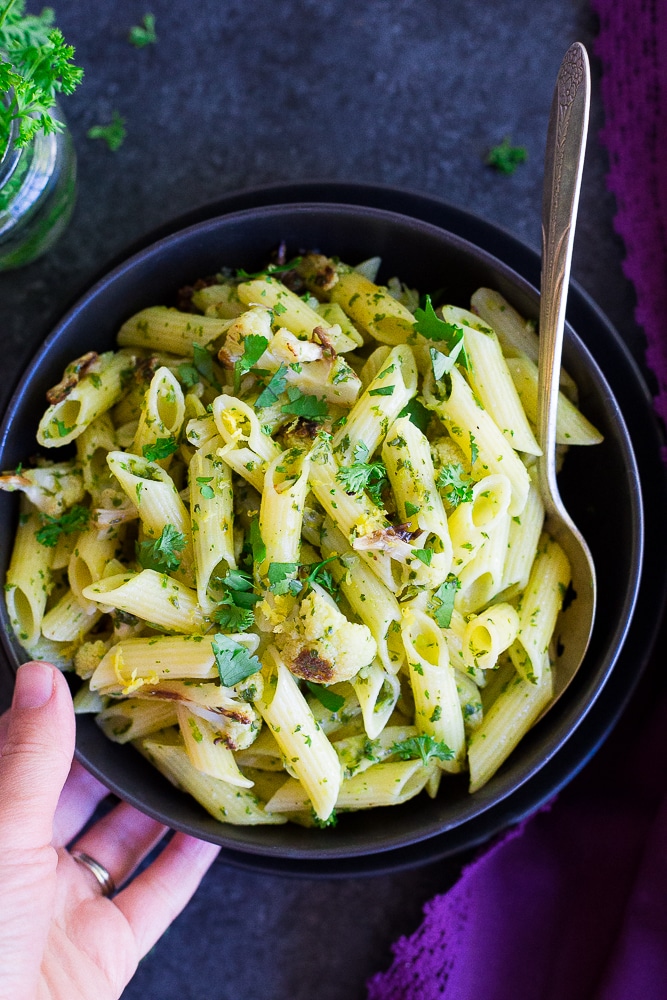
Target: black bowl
<point>600,486</point>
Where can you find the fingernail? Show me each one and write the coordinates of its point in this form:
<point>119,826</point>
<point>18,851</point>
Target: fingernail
<point>34,685</point>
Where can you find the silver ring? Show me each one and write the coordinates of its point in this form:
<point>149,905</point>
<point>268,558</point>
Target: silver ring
<point>107,884</point>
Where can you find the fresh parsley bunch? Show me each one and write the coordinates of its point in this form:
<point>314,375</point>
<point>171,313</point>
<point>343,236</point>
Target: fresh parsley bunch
<point>35,65</point>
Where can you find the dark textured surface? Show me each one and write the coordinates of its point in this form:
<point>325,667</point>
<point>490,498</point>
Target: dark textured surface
<point>407,93</point>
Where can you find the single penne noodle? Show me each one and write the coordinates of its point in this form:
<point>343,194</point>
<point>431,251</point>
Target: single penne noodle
<point>374,364</point>
<point>373,602</point>
<point>470,701</point>
<point>50,488</point>
<point>247,463</point>
<point>433,683</point>
<point>225,802</point>
<point>480,439</point>
<point>488,634</point>
<point>87,702</point>
<point>471,522</point>
<point>264,754</point>
<point>212,519</point>
<point>92,447</point>
<point>162,412</point>
<point>219,300</point>
<point>377,691</point>
<point>407,456</point>
<point>517,336</point>
<point>492,383</point>
<point>67,620</point>
<point>95,393</point>
<point>152,490</point>
<point>572,427</point>
<point>538,609</point>
<point>88,560</point>
<point>200,429</point>
<point>132,718</point>
<point>239,425</point>
<point>373,308</point>
<point>154,597</point>
<point>517,707</point>
<point>163,329</point>
<point>454,636</point>
<point>524,535</point>
<point>378,406</point>
<point>281,510</point>
<point>387,784</point>
<point>205,751</point>
<point>307,751</point>
<point>330,379</point>
<point>292,312</point>
<point>482,578</point>
<point>335,316</point>
<point>28,579</point>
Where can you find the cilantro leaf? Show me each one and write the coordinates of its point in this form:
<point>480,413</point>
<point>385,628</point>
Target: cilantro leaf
<point>160,448</point>
<point>422,746</point>
<point>369,476</point>
<point>273,390</point>
<point>162,554</point>
<point>75,519</point>
<point>143,34</point>
<point>300,405</point>
<point>233,660</point>
<point>505,157</point>
<point>279,574</point>
<point>254,346</point>
<point>456,488</point>
<point>332,702</point>
<point>113,133</point>
<point>445,596</point>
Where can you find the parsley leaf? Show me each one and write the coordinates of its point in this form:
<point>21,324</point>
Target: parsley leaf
<point>322,576</point>
<point>233,618</point>
<point>275,387</point>
<point>505,157</point>
<point>424,747</point>
<point>160,448</point>
<point>418,414</point>
<point>162,554</point>
<point>203,362</point>
<point>456,488</point>
<point>332,702</point>
<point>268,271</point>
<point>257,542</point>
<point>75,519</point>
<point>233,660</point>
<point>445,595</point>
<point>279,574</point>
<point>143,34</point>
<point>205,489</point>
<point>424,555</point>
<point>38,65</point>
<point>433,328</point>
<point>383,390</point>
<point>369,476</point>
<point>113,133</point>
<point>411,509</point>
<point>474,450</point>
<point>188,375</point>
<point>254,346</point>
<point>300,405</point>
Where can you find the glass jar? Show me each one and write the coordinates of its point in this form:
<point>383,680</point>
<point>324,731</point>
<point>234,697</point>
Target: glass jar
<point>37,195</point>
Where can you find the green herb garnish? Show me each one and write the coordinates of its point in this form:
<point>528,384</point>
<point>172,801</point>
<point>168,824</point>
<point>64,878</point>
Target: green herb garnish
<point>36,64</point>
<point>143,34</point>
<point>162,554</point>
<point>369,476</point>
<point>505,157</point>
<point>445,596</point>
<point>273,390</point>
<point>76,519</point>
<point>457,487</point>
<point>418,414</point>
<point>300,405</point>
<point>332,702</point>
<point>159,449</point>
<point>433,328</point>
<point>203,362</point>
<point>422,746</point>
<point>233,660</point>
<point>254,346</point>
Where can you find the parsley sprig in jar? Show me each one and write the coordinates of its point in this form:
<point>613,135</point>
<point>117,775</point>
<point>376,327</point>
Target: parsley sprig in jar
<point>37,160</point>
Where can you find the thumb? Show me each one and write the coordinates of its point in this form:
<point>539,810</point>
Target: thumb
<point>36,756</point>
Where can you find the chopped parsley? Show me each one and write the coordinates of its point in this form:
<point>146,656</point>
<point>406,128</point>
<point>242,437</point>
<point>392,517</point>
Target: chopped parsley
<point>281,578</point>
<point>332,702</point>
<point>254,346</point>
<point>233,660</point>
<point>309,407</point>
<point>203,362</point>
<point>162,554</point>
<point>505,157</point>
<point>159,449</point>
<point>454,483</point>
<point>424,555</point>
<point>76,519</point>
<point>418,414</point>
<point>270,270</point>
<point>205,488</point>
<point>141,35</point>
<point>274,388</point>
<point>422,746</point>
<point>257,542</point>
<point>383,390</point>
<point>445,596</point>
<point>113,133</point>
<point>433,328</point>
<point>369,476</point>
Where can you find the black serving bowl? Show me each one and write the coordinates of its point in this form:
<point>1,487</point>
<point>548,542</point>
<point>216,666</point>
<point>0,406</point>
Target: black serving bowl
<point>600,485</point>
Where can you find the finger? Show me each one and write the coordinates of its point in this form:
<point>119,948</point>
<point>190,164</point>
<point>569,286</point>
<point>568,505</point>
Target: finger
<point>79,799</point>
<point>121,840</point>
<point>156,896</point>
<point>36,756</point>
<point>4,726</point>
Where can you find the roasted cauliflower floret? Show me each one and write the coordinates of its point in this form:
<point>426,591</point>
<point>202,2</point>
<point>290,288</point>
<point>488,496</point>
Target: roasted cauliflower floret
<point>322,645</point>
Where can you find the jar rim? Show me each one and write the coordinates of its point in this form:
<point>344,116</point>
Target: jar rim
<point>10,154</point>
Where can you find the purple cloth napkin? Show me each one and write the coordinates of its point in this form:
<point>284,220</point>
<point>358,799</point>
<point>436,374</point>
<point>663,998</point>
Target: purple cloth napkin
<point>572,904</point>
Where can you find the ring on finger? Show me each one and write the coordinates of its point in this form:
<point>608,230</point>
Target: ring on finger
<point>106,882</point>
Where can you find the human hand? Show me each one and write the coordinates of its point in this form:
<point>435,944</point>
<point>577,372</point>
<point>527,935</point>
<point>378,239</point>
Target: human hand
<point>60,937</point>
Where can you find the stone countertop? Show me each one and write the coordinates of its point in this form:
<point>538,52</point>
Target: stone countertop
<point>409,94</point>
